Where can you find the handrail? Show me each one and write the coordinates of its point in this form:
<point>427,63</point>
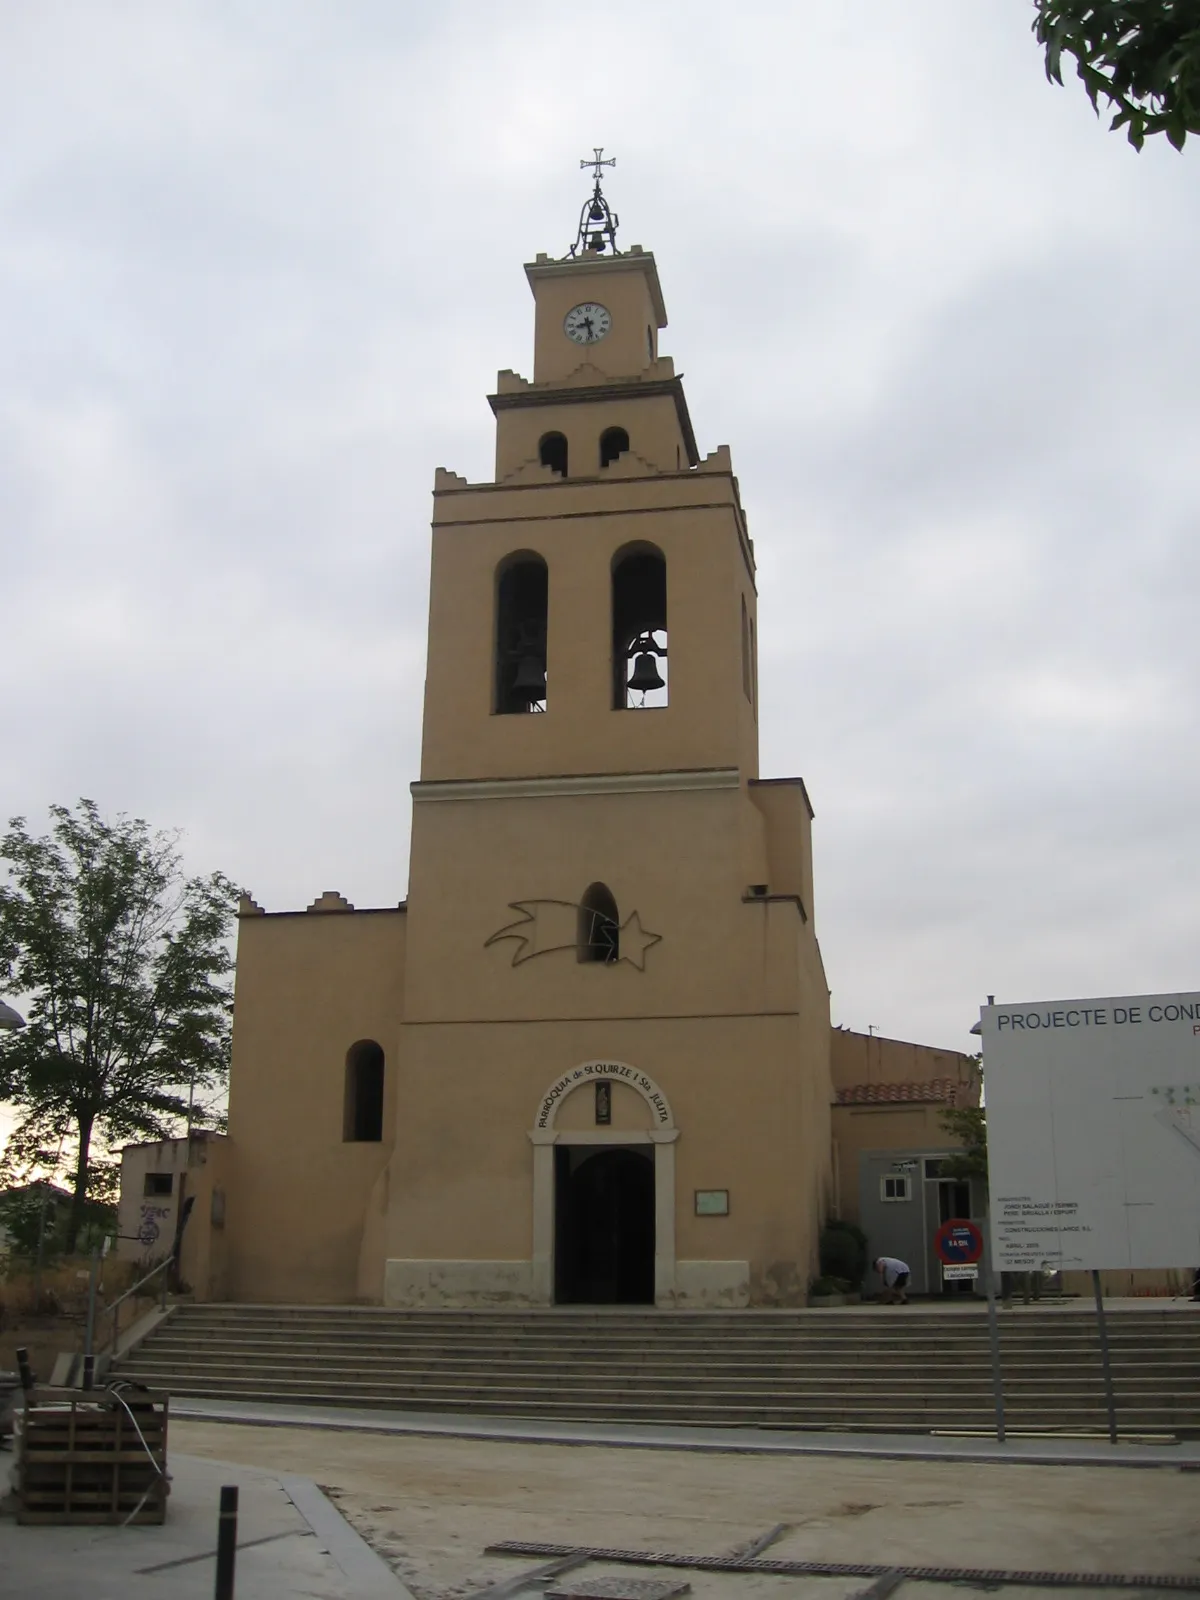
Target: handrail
<point>113,1310</point>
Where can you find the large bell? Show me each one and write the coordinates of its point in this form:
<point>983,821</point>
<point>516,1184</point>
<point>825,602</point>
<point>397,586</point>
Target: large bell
<point>645,675</point>
<point>529,684</point>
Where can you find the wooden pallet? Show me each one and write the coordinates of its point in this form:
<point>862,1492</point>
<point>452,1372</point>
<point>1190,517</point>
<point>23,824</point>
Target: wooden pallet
<point>80,1459</point>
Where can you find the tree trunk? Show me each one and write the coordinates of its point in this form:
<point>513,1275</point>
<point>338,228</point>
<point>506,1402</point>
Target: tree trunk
<point>79,1198</point>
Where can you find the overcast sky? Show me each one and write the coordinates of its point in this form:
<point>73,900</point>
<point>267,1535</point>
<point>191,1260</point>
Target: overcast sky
<point>260,263</point>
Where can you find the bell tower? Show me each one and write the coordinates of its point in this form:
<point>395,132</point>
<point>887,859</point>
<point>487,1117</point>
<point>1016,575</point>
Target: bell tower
<point>600,884</point>
<point>593,608</point>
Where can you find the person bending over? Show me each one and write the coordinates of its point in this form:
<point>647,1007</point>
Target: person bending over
<point>895,1280</point>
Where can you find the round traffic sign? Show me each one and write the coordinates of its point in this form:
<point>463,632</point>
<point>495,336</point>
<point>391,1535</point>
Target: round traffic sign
<point>958,1243</point>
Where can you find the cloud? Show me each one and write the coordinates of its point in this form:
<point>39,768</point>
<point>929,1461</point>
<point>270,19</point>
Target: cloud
<point>259,265</point>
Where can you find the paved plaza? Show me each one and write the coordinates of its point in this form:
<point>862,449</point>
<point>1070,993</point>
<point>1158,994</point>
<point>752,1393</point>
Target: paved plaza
<point>361,1506</point>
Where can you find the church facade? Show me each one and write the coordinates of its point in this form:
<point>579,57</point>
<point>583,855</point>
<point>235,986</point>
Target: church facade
<point>588,1060</point>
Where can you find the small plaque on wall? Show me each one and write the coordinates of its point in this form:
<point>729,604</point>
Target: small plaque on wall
<point>712,1202</point>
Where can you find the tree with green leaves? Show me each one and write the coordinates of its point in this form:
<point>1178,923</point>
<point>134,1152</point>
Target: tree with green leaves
<point>126,965</point>
<point>967,1124</point>
<point>1141,56</point>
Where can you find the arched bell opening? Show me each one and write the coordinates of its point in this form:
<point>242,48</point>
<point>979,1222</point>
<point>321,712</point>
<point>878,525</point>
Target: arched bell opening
<point>613,444</point>
<point>522,602</point>
<point>639,621</point>
<point>552,452</point>
<point>598,926</point>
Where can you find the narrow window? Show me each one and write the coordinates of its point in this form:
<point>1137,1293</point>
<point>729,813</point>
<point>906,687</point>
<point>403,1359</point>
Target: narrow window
<point>639,621</point>
<point>363,1117</point>
<point>753,667</point>
<point>598,935</point>
<point>746,651</point>
<point>157,1183</point>
<point>895,1188</point>
<point>552,452</point>
<point>613,444</point>
<point>522,597</point>
<point>650,341</point>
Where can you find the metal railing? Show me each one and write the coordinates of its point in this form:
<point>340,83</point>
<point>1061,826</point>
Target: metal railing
<point>162,1272</point>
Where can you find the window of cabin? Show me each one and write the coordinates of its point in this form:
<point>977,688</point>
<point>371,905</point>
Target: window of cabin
<point>639,628</point>
<point>363,1116</point>
<point>598,926</point>
<point>158,1183</point>
<point>522,601</point>
<point>897,1187</point>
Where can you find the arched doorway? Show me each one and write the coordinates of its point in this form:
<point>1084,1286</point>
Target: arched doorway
<point>655,1140</point>
<point>604,1225</point>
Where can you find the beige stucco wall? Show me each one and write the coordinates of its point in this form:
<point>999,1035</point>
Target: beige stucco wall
<point>627,285</point>
<point>726,1008</point>
<point>865,1058</point>
<point>857,1129</point>
<point>859,1058</point>
<point>577,529</point>
<point>309,986</point>
<point>146,1223</point>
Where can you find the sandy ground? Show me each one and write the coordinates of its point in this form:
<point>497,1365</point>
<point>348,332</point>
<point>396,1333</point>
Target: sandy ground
<point>430,1506</point>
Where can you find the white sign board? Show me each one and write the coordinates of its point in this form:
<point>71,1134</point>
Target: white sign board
<point>952,1274</point>
<point>1093,1116</point>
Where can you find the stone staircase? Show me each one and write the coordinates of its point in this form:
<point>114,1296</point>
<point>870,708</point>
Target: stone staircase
<point>892,1370</point>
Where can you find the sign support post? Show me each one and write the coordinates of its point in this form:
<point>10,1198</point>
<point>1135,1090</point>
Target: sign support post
<point>1105,1360</point>
<point>994,1338</point>
<point>960,1245</point>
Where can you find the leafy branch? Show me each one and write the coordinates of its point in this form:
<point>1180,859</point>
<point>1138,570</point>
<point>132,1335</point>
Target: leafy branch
<point>1141,56</point>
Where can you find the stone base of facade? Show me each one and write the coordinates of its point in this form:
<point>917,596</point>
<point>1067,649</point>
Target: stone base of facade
<point>711,1285</point>
<point>461,1284</point>
<point>466,1285</point>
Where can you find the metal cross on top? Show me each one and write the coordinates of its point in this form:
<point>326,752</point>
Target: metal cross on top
<point>598,161</point>
<point>597,222</point>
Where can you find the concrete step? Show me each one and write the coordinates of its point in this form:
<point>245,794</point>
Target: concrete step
<point>889,1418</point>
<point>182,1327</point>
<point>866,1371</point>
<point>612,1348</point>
<point>316,1358</point>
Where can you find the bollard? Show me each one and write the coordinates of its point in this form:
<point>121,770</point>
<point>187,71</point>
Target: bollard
<point>226,1542</point>
<point>89,1374</point>
<point>26,1371</point>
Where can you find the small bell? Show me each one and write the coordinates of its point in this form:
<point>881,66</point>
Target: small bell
<point>645,675</point>
<point>596,214</point>
<point>529,684</point>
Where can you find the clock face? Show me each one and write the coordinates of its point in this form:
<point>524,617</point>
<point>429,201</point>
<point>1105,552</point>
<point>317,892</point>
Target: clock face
<point>587,323</point>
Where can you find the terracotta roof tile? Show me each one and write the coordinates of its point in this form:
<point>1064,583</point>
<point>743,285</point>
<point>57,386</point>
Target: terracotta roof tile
<point>936,1091</point>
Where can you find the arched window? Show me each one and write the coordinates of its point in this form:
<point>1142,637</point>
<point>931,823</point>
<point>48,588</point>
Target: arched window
<point>639,627</point>
<point>598,935</point>
<point>613,443</point>
<point>363,1116</point>
<point>522,595</point>
<point>552,452</point>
